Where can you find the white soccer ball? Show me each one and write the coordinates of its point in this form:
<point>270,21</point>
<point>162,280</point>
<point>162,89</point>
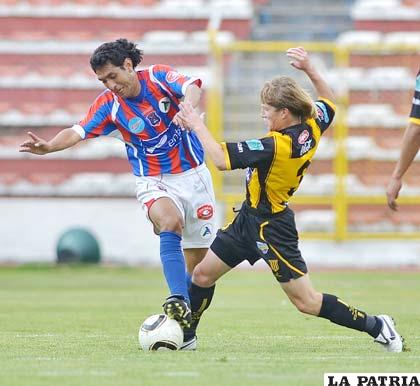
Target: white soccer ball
<point>158,332</point>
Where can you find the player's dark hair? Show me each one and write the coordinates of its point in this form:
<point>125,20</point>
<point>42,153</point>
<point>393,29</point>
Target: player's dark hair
<point>284,92</point>
<point>115,53</point>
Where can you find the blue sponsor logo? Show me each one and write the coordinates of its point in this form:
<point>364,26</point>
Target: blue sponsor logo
<point>322,112</point>
<point>136,125</point>
<point>418,83</point>
<point>254,144</point>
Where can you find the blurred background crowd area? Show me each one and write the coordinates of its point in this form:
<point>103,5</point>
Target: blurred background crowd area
<point>46,84</point>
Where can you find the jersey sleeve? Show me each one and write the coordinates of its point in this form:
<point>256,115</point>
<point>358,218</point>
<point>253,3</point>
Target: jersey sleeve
<point>252,153</point>
<point>325,110</point>
<point>415,107</point>
<point>98,120</point>
<point>173,80</point>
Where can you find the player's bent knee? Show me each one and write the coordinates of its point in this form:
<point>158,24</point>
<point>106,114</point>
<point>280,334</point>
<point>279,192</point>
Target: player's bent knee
<point>202,278</point>
<point>170,224</point>
<point>306,305</point>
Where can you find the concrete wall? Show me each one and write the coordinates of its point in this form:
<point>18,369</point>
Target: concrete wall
<point>30,229</point>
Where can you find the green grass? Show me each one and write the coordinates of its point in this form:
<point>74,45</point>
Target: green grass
<point>78,326</point>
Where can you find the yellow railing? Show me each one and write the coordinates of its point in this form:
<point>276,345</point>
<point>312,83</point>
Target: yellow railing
<point>339,199</point>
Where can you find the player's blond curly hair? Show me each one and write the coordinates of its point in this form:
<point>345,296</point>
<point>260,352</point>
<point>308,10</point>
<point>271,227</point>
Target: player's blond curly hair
<point>285,92</point>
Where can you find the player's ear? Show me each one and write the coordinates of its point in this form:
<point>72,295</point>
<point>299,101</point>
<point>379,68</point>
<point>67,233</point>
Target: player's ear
<point>128,64</point>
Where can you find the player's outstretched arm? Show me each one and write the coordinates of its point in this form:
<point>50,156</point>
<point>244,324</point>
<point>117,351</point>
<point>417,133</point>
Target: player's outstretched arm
<point>194,122</point>
<point>300,60</point>
<point>192,95</point>
<point>63,140</point>
<point>409,148</point>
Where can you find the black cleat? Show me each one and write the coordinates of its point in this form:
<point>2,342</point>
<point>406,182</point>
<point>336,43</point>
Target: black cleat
<point>177,308</point>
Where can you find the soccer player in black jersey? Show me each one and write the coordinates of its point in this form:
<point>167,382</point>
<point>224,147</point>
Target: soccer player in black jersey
<point>409,148</point>
<point>265,227</point>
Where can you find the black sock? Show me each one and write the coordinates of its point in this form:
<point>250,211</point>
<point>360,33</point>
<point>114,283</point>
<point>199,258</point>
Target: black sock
<point>342,314</point>
<point>200,298</point>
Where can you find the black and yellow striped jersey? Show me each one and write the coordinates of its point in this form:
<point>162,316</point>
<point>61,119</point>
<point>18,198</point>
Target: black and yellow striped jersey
<point>415,107</point>
<point>277,162</point>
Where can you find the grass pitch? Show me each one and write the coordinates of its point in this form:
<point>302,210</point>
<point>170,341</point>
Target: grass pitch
<point>78,326</point>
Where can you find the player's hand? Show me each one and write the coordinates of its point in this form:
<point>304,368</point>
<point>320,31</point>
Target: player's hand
<point>179,121</point>
<point>34,145</point>
<point>299,58</point>
<point>191,118</point>
<point>392,191</point>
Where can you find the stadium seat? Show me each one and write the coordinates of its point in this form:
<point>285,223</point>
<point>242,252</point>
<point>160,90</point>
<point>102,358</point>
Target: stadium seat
<point>359,37</point>
<point>374,115</point>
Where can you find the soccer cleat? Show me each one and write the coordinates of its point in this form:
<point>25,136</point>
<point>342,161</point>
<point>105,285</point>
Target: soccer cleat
<point>388,336</point>
<point>177,308</point>
<point>189,344</point>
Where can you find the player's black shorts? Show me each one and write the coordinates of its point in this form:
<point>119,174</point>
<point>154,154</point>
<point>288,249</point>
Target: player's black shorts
<point>274,239</point>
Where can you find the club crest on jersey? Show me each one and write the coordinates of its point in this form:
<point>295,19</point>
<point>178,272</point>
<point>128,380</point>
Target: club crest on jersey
<point>136,125</point>
<point>154,119</point>
<point>263,247</point>
<point>172,76</point>
<point>205,212</point>
<point>254,144</point>
<point>206,231</point>
<point>164,104</point>
<point>303,137</point>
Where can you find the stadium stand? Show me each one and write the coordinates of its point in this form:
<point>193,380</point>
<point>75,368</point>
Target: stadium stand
<point>46,83</point>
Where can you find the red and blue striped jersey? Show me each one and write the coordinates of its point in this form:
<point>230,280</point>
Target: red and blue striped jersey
<point>154,144</point>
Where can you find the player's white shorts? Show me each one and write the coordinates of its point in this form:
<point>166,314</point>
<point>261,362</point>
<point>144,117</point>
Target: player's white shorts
<point>192,192</point>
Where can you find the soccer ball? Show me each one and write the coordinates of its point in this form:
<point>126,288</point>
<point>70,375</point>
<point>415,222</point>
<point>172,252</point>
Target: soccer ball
<point>158,332</point>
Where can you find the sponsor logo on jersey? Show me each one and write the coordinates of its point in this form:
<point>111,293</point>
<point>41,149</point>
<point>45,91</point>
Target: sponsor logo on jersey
<point>303,137</point>
<point>248,173</point>
<point>154,119</point>
<point>172,76</point>
<point>164,104</point>
<point>254,144</point>
<point>161,142</point>
<point>306,147</point>
<point>263,247</point>
<point>206,231</point>
<point>161,187</point>
<point>240,147</point>
<point>136,125</point>
<point>322,112</point>
<point>205,212</point>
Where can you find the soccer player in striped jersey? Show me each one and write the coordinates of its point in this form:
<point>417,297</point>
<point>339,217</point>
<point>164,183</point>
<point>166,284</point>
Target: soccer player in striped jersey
<point>173,184</point>
<point>265,227</point>
<point>409,148</point>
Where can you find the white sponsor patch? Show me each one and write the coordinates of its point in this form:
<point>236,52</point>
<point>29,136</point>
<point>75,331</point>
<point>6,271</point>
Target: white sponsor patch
<point>206,231</point>
<point>263,247</point>
<point>164,104</point>
<point>172,76</point>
